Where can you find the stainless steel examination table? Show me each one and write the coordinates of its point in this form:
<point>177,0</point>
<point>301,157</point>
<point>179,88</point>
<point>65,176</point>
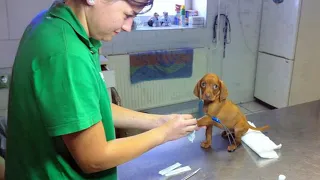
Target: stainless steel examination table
<point>297,128</point>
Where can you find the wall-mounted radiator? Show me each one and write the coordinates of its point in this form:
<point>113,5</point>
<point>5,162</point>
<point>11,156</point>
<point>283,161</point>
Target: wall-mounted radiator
<point>157,93</point>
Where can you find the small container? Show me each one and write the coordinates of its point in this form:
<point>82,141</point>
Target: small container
<point>187,18</point>
<point>281,177</point>
<point>177,17</point>
<point>183,15</point>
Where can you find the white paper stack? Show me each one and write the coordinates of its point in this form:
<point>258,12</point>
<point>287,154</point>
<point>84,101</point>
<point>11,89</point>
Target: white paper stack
<point>196,21</point>
<point>260,143</point>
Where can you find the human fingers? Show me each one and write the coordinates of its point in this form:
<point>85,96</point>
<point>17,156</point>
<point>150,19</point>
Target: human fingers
<point>198,128</point>
<point>189,122</point>
<point>187,116</point>
<point>191,128</point>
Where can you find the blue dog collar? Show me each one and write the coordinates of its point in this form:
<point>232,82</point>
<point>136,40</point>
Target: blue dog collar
<point>216,119</point>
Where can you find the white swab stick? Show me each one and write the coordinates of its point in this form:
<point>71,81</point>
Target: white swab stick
<point>170,168</point>
<point>178,171</point>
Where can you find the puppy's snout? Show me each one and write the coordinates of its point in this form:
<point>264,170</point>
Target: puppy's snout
<point>208,95</point>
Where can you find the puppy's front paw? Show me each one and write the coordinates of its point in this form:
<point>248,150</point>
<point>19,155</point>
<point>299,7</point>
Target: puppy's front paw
<point>205,144</point>
<point>232,148</point>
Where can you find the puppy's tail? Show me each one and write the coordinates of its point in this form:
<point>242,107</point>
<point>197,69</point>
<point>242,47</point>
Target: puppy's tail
<point>263,128</point>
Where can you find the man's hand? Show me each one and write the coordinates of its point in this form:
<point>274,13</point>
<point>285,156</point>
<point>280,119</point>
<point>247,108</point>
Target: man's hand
<point>127,118</point>
<point>165,118</point>
<point>178,127</point>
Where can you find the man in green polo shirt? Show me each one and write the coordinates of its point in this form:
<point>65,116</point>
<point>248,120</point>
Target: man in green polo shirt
<point>60,119</point>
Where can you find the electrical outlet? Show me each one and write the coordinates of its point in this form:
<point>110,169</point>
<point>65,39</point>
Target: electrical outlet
<point>4,80</point>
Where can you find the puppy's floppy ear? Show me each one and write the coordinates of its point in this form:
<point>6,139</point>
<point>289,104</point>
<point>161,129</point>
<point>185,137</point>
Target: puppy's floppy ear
<point>223,91</point>
<point>196,90</point>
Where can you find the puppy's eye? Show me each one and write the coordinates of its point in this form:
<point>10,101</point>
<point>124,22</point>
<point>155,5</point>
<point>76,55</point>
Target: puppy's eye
<point>203,84</point>
<point>215,86</point>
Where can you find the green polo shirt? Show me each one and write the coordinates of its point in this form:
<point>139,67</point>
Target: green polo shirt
<point>57,88</point>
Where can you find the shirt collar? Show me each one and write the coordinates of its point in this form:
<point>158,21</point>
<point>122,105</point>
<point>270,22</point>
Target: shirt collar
<point>64,12</point>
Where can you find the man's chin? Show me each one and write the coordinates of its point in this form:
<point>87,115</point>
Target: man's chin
<point>107,38</point>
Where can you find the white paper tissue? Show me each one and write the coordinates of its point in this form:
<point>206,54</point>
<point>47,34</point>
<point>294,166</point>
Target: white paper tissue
<point>191,136</point>
<point>260,143</point>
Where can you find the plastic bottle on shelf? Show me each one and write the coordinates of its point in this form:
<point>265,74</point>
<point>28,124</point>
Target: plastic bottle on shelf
<point>177,16</point>
<point>183,15</point>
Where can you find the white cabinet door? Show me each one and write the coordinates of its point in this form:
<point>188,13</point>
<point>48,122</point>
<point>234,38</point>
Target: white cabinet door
<point>279,27</point>
<point>273,79</point>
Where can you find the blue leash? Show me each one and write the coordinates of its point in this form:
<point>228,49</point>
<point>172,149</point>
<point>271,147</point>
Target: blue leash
<point>200,112</point>
<point>226,129</point>
<point>216,120</point>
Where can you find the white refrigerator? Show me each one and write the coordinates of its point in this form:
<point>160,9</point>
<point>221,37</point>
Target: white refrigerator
<point>276,52</point>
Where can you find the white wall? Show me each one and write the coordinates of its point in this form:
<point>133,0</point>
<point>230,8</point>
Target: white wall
<point>237,69</point>
<point>239,66</point>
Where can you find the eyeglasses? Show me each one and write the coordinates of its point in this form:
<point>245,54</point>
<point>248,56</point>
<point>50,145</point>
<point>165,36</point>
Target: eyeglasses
<point>147,6</point>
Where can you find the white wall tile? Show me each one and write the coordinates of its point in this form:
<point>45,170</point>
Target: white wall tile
<point>106,48</point>
<point>148,35</point>
<point>21,12</point>
<point>4,32</point>
<point>134,37</point>
<point>237,69</point>
<point>121,37</point>
<point>119,48</point>
<point>5,70</point>
<point>161,37</point>
<point>8,49</point>
<point>4,95</point>
<point>3,112</point>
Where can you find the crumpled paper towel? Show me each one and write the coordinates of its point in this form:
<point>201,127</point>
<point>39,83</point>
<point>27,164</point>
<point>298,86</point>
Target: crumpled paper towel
<point>191,136</point>
<point>260,143</point>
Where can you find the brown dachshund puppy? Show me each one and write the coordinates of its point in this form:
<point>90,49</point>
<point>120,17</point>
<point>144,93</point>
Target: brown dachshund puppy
<point>214,94</point>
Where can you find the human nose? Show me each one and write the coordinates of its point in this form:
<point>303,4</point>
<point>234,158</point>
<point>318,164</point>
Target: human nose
<point>127,25</point>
